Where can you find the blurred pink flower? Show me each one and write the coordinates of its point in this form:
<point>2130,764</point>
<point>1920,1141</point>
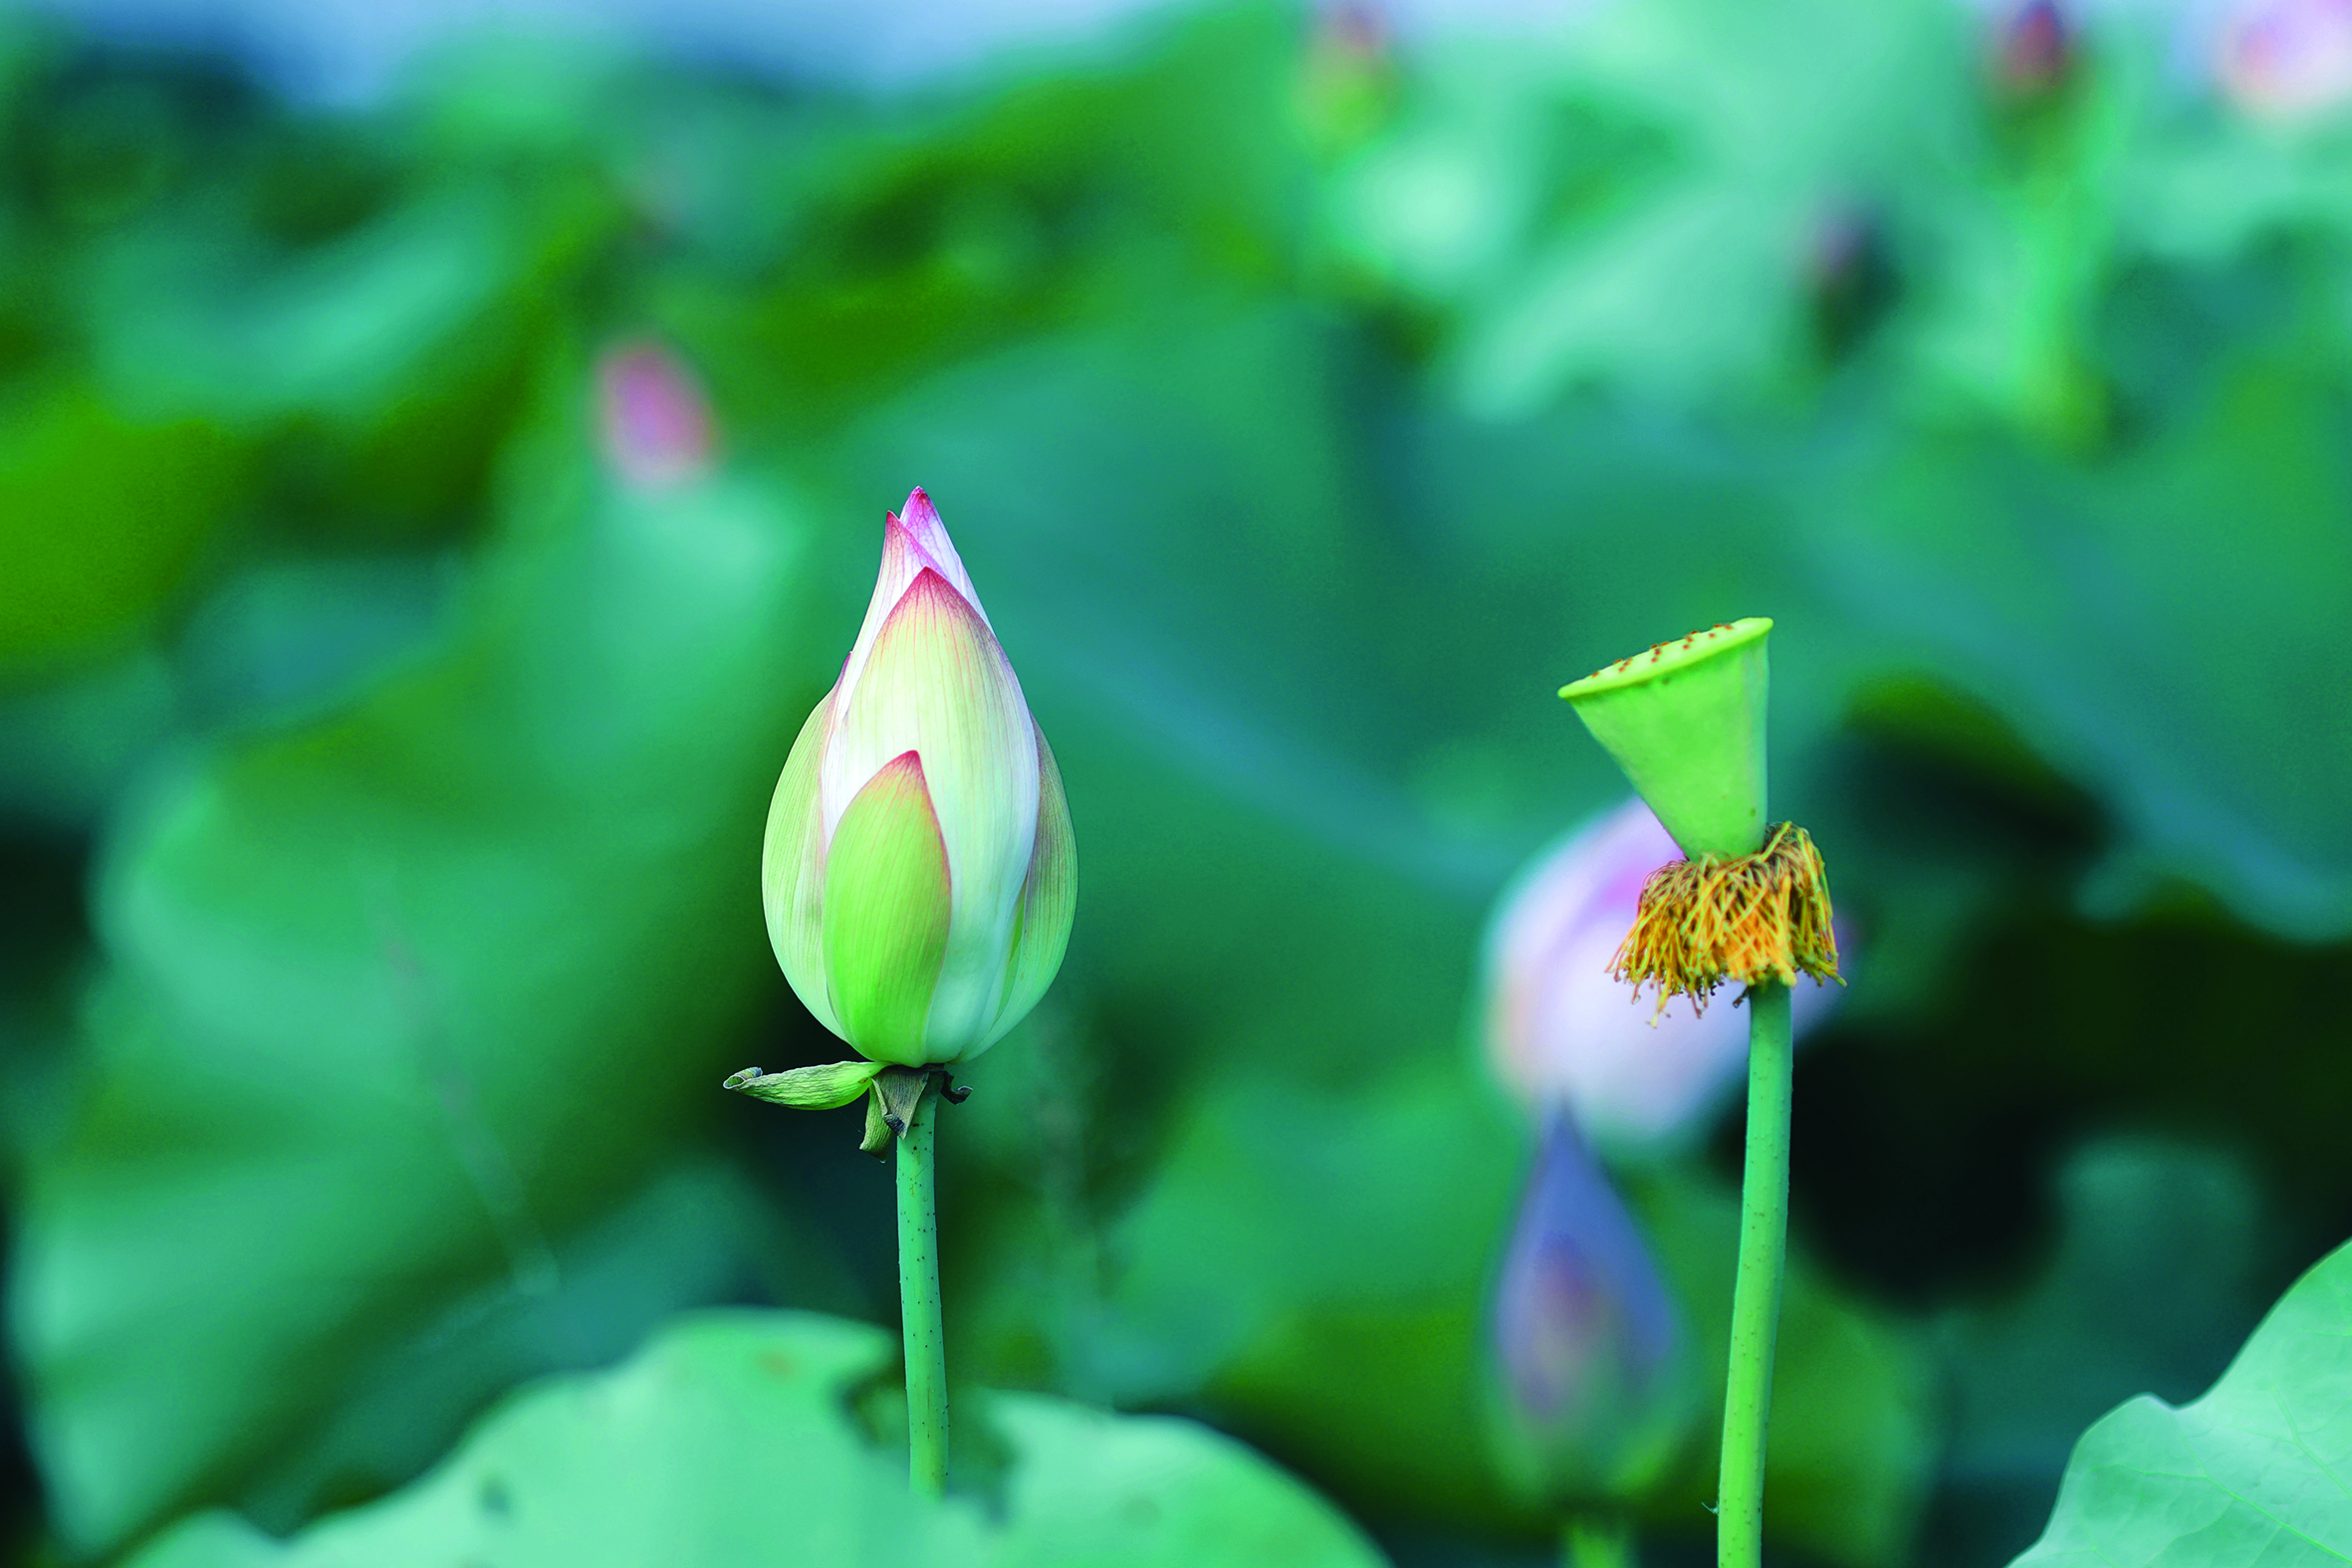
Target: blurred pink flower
<point>2286,58</point>
<point>1558,1029</point>
<point>656,423</point>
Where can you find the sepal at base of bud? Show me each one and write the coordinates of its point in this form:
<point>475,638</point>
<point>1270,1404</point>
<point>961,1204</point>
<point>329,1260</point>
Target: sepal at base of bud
<point>891,1094</point>
<point>826,1088</point>
<point>897,1093</point>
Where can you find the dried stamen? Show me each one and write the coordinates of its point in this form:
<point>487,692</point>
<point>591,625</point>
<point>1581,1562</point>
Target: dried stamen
<point>1745,918</point>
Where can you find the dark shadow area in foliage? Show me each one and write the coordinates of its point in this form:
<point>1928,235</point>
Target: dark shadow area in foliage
<point>1931,1139</point>
<point>44,928</point>
<point>20,1484</point>
<point>1922,1162</point>
<point>814,1155</point>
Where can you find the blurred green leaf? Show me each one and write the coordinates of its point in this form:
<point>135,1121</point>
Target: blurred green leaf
<point>1635,200</point>
<point>2253,1473</point>
<point>2117,613</point>
<point>728,1443</point>
<point>395,999</point>
<point>103,517</point>
<point>2154,1282</point>
<point>388,364</point>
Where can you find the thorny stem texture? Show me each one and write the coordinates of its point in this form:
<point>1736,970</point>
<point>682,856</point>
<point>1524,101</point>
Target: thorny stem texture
<point>1756,1290</point>
<point>918,1304</point>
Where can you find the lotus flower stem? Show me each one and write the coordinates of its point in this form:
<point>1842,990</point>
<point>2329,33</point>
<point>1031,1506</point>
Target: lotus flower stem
<point>919,878</point>
<point>1756,1287</point>
<point>918,1304</point>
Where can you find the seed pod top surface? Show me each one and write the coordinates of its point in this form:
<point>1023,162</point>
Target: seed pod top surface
<point>1686,721</point>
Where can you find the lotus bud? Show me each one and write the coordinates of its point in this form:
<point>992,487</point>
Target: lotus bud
<point>1592,1362</point>
<point>919,873</point>
<point>2034,50</point>
<point>1559,1028</point>
<point>656,424</point>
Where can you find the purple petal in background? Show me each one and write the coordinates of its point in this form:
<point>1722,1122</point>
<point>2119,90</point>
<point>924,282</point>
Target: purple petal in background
<point>1585,1337</point>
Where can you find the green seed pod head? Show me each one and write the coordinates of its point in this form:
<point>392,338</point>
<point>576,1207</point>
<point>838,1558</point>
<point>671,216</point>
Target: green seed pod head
<point>1686,721</point>
<point>919,873</point>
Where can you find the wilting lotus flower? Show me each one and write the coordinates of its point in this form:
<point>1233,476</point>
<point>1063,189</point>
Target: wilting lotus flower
<point>1591,1360</point>
<point>919,872</point>
<point>1559,1028</point>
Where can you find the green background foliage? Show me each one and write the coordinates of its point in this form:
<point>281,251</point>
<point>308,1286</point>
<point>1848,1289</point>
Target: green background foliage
<point>382,769</point>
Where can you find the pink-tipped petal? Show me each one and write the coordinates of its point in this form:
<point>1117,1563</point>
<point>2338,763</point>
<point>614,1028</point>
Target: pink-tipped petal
<point>920,518</point>
<point>901,560</point>
<point>935,683</point>
<point>910,545</point>
<point>791,869</point>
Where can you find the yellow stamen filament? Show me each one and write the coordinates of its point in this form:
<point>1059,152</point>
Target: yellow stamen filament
<point>1745,918</point>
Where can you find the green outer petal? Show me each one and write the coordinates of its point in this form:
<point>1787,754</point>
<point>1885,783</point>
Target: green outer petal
<point>1048,903</point>
<point>792,870</point>
<point>886,914</point>
<point>937,684</point>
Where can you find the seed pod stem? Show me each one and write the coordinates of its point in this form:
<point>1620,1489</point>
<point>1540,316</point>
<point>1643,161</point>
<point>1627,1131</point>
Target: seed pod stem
<point>1756,1287</point>
<point>1686,721</point>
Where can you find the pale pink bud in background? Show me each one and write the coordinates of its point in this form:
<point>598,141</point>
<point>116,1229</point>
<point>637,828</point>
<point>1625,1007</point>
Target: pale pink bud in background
<point>1560,1029</point>
<point>655,422</point>
<point>2287,59</point>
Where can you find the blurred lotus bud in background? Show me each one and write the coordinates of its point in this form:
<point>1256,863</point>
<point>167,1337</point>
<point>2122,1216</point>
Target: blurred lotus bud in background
<point>1558,1029</point>
<point>2287,60</point>
<point>656,424</point>
<point>919,873</point>
<point>1590,1357</point>
<point>1348,85</point>
<point>2033,51</point>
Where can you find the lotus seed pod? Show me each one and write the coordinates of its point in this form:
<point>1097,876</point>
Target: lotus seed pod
<point>1686,721</point>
